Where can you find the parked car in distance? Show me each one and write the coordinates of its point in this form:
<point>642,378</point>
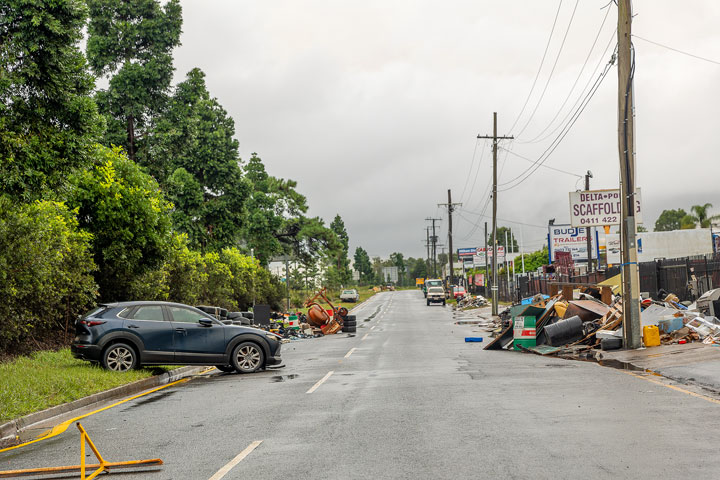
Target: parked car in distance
<point>350,295</point>
<point>125,335</point>
<point>435,295</point>
<point>459,292</point>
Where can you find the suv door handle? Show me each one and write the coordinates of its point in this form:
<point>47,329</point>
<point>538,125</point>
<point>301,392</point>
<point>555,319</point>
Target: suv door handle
<point>133,326</point>
<point>181,330</point>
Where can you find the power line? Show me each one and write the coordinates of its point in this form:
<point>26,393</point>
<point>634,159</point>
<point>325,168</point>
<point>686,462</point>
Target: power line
<point>543,165</point>
<point>577,79</point>
<point>547,83</point>
<point>556,142</point>
<point>463,210</point>
<point>542,62</point>
<point>583,94</point>
<point>676,50</point>
<point>467,179</point>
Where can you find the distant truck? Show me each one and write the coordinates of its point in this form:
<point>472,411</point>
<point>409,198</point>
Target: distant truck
<point>435,295</point>
<point>431,282</point>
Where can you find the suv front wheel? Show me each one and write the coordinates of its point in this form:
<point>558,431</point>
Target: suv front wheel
<point>247,357</point>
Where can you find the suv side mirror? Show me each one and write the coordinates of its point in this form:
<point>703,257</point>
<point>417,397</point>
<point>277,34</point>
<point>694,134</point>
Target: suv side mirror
<point>205,322</point>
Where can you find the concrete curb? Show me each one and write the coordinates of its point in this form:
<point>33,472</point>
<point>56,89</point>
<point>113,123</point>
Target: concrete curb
<point>10,430</point>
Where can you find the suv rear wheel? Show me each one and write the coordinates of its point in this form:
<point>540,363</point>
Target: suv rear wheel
<point>120,357</point>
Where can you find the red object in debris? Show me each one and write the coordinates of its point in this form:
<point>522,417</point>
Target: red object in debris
<point>682,341</point>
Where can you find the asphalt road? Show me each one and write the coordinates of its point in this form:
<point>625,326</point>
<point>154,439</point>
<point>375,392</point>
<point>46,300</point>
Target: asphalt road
<point>407,398</point>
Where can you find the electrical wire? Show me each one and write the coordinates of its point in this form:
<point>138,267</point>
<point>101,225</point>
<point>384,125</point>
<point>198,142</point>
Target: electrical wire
<point>501,219</point>
<point>577,79</point>
<point>676,50</point>
<point>542,62</point>
<point>582,95</point>
<point>545,166</point>
<point>547,83</point>
<point>472,189</point>
<point>556,142</point>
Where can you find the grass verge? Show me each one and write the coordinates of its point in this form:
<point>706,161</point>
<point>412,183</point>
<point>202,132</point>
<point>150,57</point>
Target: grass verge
<point>45,379</point>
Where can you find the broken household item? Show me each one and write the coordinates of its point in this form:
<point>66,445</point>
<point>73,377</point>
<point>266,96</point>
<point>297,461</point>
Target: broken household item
<point>564,332</point>
<point>709,302</point>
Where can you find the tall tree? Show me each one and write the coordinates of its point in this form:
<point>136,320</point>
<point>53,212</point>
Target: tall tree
<point>700,215</point>
<point>195,156</point>
<point>132,41</point>
<point>48,121</point>
<point>342,263</point>
<point>512,244</point>
<point>670,220</point>
<point>363,265</point>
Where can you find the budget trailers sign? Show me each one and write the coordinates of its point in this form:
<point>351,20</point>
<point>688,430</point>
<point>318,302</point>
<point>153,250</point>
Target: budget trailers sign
<point>595,208</point>
<point>564,238</point>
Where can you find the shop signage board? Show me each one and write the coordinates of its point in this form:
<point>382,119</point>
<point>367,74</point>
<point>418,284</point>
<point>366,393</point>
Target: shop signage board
<point>595,208</point>
<point>566,238</point>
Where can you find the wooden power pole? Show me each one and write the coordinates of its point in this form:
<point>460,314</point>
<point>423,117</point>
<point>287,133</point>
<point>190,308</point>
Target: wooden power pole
<point>451,208</point>
<point>626,149</point>
<point>495,139</point>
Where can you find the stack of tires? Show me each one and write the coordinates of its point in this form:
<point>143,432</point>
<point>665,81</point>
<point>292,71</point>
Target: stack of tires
<point>239,318</point>
<point>218,312</point>
<point>349,324</point>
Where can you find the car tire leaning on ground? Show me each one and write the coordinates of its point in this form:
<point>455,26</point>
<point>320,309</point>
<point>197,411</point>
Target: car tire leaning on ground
<point>225,368</point>
<point>349,329</point>
<point>443,303</point>
<point>247,357</point>
<point>350,323</point>
<point>119,357</point>
<point>428,303</point>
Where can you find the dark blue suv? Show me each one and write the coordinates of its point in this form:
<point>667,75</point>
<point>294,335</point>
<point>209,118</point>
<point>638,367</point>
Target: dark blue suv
<point>125,335</point>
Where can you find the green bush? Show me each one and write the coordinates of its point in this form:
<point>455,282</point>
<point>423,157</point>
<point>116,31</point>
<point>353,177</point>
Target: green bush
<point>45,270</point>
<point>128,215</point>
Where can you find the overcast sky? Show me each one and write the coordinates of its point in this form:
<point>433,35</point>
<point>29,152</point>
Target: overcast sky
<point>374,106</point>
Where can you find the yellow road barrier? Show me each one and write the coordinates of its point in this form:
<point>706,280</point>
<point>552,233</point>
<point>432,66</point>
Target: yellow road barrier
<point>99,467</point>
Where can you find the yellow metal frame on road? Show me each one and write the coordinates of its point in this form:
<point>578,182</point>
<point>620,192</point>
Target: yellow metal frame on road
<point>58,429</point>
<point>99,467</point>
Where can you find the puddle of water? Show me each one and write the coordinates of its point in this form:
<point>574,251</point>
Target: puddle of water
<point>612,363</point>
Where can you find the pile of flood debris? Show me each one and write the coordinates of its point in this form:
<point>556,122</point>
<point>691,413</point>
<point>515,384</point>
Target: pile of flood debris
<point>557,325</point>
<point>471,301</point>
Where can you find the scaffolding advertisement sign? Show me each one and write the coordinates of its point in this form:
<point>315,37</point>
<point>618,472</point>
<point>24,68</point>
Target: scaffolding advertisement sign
<point>595,208</point>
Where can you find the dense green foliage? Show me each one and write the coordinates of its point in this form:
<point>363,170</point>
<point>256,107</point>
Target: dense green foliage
<point>128,216</point>
<point>136,191</point>
<point>45,269</point>
<point>670,220</point>
<point>47,119</point>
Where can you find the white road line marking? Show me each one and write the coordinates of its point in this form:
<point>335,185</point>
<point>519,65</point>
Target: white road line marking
<point>241,456</point>
<point>373,327</point>
<point>320,382</point>
<point>350,352</point>
<point>366,335</point>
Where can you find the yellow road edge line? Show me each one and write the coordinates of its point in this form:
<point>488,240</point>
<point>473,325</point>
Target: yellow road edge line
<point>676,388</point>
<point>58,429</point>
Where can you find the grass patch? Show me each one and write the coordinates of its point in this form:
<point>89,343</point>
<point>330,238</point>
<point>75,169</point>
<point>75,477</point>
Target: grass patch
<point>45,379</point>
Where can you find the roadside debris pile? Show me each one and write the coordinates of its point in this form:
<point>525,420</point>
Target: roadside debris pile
<point>591,317</point>
<point>471,301</point>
